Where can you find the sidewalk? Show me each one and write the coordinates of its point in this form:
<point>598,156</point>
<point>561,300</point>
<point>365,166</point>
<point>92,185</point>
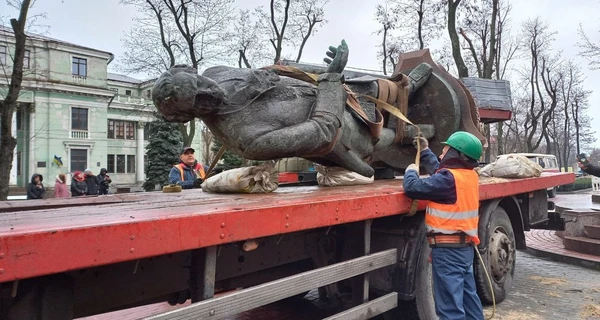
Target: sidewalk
<point>546,244</point>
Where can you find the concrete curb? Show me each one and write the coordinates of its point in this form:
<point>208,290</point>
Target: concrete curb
<point>590,264</point>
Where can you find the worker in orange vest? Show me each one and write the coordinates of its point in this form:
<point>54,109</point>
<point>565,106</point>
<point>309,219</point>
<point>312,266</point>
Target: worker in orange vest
<point>189,173</point>
<point>451,218</point>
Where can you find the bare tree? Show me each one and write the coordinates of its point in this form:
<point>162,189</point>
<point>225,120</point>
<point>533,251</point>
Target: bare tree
<point>9,104</point>
<point>186,31</point>
<point>291,24</point>
<point>248,42</point>
<point>463,71</point>
<point>589,49</point>
<point>387,20</point>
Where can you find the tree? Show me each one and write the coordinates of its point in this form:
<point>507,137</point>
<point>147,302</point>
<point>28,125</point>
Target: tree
<point>230,159</point>
<point>291,23</point>
<point>164,146</point>
<point>248,41</point>
<point>463,71</point>
<point>589,49</point>
<point>407,25</point>
<point>170,32</point>
<point>388,21</point>
<point>9,104</point>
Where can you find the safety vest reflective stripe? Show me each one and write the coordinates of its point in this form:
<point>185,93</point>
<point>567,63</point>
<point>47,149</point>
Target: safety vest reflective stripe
<point>199,168</point>
<point>461,216</point>
<point>453,215</point>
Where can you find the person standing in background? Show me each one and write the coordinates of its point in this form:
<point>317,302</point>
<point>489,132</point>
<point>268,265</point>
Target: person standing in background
<point>60,186</point>
<point>92,183</point>
<point>104,181</point>
<point>78,185</point>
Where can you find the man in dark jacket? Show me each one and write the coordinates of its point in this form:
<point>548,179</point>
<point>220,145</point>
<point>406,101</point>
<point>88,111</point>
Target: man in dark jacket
<point>452,219</point>
<point>78,185</point>
<point>189,173</point>
<point>103,181</point>
<point>92,183</point>
<point>36,189</point>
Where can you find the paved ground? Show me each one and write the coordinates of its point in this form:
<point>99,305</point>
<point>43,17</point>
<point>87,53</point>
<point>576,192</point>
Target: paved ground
<point>542,289</point>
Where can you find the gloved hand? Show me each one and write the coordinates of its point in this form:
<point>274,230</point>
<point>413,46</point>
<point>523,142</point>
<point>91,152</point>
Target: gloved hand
<point>198,183</point>
<point>424,143</point>
<point>412,166</point>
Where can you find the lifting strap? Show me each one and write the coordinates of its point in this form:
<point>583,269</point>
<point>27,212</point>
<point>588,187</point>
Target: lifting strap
<point>397,91</point>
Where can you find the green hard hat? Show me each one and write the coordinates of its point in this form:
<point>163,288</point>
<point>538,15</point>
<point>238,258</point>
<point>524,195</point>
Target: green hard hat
<point>466,143</point>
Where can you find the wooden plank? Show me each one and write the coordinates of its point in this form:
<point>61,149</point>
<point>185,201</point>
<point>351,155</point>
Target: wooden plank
<point>47,241</point>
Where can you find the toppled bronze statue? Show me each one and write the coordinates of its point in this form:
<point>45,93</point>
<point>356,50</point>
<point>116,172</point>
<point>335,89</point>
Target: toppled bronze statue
<point>278,112</point>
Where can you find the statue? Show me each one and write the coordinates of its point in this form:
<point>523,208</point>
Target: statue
<point>269,113</point>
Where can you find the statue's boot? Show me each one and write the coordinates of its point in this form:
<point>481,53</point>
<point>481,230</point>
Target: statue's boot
<point>418,77</point>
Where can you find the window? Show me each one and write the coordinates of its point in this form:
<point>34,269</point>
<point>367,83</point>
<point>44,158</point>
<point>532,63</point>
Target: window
<point>116,90</point>
<point>19,163</point>
<point>111,129</point>
<point>110,163</point>
<point>79,67</point>
<point>78,160</point>
<point>121,130</point>
<point>130,130</point>
<point>79,119</point>
<point>130,164</point>
<point>19,120</point>
<point>3,54</point>
<point>128,92</point>
<point>120,163</point>
<point>148,94</point>
<point>26,59</point>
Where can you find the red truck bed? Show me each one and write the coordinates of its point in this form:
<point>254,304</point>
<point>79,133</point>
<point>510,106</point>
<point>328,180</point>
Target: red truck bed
<point>50,236</point>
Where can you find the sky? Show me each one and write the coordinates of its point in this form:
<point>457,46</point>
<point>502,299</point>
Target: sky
<point>102,24</point>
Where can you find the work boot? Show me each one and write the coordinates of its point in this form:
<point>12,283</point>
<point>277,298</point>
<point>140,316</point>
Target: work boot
<point>417,77</point>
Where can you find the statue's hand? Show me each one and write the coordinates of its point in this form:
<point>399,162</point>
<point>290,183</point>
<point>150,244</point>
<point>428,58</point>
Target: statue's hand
<point>339,56</point>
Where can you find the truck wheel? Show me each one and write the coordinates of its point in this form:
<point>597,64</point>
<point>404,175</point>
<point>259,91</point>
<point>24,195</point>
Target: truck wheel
<point>552,193</point>
<point>499,258</point>
<point>422,307</point>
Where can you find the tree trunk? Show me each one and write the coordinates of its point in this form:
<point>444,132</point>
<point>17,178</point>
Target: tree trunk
<point>9,104</point>
<point>500,137</point>
<point>384,46</point>
<point>488,150</point>
<point>463,71</point>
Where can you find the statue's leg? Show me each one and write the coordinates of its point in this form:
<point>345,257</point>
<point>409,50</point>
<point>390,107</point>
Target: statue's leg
<point>312,137</point>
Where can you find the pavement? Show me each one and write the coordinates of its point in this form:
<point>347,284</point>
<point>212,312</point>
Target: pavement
<point>550,282</point>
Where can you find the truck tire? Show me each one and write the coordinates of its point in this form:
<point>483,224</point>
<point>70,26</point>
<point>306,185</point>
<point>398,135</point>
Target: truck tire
<point>422,307</point>
<point>499,256</point>
<point>552,193</point>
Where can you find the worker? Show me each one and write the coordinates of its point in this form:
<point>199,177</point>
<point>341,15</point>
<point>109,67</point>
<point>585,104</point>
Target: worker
<point>451,218</point>
<point>189,173</point>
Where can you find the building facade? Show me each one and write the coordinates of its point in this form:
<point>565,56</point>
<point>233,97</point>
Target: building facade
<point>72,110</point>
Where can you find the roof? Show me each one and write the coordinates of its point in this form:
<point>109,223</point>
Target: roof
<point>123,78</point>
<point>39,37</point>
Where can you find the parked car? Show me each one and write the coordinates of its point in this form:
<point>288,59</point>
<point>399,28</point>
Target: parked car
<point>548,163</point>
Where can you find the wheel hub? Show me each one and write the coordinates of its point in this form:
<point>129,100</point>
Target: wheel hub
<point>501,252</point>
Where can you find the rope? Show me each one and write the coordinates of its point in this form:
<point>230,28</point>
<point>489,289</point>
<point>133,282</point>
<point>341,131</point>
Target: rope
<point>489,282</point>
<point>216,160</point>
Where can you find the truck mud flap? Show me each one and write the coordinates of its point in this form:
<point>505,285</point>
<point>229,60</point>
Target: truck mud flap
<point>247,299</point>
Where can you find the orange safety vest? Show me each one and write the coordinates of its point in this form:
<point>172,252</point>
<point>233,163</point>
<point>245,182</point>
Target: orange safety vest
<point>462,216</point>
<point>198,170</point>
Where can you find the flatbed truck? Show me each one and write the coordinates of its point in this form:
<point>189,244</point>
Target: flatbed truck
<point>62,259</point>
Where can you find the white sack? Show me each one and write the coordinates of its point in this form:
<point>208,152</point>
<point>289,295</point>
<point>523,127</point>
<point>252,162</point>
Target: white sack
<point>338,176</point>
<point>255,179</point>
<point>512,166</point>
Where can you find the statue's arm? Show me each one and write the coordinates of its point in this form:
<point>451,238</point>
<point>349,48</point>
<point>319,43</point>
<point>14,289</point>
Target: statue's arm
<point>311,137</point>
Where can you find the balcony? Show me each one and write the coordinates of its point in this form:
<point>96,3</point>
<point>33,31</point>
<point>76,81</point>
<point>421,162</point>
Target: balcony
<point>79,134</point>
<point>79,79</point>
<point>131,100</point>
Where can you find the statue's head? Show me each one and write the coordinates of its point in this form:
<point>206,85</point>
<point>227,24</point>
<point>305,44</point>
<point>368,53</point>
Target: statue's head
<point>181,94</point>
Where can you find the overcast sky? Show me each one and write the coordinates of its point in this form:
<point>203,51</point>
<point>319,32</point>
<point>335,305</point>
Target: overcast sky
<point>101,25</point>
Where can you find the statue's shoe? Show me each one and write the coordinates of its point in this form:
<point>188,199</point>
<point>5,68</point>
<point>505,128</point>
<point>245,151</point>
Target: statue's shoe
<point>418,77</point>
